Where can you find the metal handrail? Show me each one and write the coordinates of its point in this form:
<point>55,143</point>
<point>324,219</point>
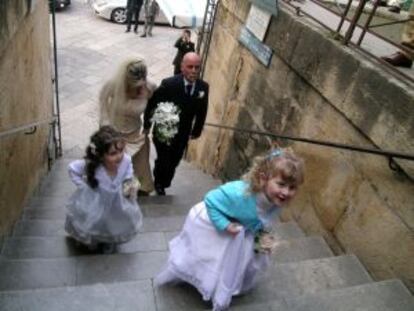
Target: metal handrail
<point>58,140</point>
<point>386,153</point>
<point>346,39</point>
<point>32,126</point>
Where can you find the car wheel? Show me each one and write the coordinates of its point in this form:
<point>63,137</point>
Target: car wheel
<point>119,16</point>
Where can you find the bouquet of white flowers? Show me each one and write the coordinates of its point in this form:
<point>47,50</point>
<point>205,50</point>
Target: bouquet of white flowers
<point>166,118</point>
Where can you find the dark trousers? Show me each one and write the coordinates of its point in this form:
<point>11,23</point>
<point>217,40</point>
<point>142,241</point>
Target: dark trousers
<point>135,13</point>
<point>168,158</point>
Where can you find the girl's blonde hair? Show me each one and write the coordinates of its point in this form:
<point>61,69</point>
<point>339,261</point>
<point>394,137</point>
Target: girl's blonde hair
<point>278,162</point>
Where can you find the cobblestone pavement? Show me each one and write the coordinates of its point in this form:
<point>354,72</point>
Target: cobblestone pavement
<point>89,50</point>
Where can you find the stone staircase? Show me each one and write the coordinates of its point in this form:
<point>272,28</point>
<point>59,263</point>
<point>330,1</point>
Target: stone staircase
<point>41,269</point>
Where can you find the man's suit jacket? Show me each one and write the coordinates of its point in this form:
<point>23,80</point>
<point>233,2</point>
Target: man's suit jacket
<point>193,109</point>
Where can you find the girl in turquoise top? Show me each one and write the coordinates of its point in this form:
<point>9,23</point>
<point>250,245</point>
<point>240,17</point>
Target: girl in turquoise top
<point>215,251</point>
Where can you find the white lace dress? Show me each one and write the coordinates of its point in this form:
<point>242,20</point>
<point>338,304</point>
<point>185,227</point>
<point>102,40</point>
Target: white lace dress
<point>217,264</point>
<point>103,214</point>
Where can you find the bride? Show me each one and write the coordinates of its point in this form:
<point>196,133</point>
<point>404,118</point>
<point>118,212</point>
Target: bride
<point>122,102</point>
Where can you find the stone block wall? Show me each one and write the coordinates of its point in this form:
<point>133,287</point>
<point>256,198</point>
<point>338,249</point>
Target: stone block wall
<point>26,97</point>
<point>317,88</point>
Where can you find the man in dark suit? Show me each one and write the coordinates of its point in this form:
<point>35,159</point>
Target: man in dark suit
<point>133,8</point>
<point>190,95</point>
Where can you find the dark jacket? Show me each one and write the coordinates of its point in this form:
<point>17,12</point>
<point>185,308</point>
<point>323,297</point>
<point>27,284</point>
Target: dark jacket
<point>193,109</point>
<point>183,48</point>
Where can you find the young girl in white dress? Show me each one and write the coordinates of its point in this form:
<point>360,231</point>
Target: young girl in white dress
<point>215,251</point>
<point>103,210</point>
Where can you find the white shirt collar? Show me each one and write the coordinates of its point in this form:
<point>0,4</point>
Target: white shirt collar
<point>186,82</point>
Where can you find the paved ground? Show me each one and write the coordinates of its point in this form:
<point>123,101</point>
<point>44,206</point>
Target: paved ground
<point>89,50</point>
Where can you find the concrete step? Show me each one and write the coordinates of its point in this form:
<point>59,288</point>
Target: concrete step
<point>47,227</point>
<point>80,270</point>
<point>284,280</point>
<point>53,208</point>
<point>61,246</point>
<point>298,249</point>
<point>189,183</point>
<point>125,296</point>
<point>148,210</point>
<point>309,276</point>
<point>390,295</point>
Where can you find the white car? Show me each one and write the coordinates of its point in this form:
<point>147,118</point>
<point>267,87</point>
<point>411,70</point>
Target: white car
<point>115,11</point>
<point>177,13</point>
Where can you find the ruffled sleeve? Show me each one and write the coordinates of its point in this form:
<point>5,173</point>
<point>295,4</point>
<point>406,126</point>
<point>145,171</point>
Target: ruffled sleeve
<point>76,170</point>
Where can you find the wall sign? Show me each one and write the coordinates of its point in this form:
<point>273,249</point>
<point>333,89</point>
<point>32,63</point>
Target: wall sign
<point>267,5</point>
<point>258,21</point>
<point>261,51</point>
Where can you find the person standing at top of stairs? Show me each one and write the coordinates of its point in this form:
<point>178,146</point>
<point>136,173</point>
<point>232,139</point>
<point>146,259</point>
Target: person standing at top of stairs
<point>133,8</point>
<point>225,243</point>
<point>103,211</point>
<point>151,9</point>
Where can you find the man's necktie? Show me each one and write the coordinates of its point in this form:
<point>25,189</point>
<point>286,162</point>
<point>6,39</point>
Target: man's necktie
<point>188,88</point>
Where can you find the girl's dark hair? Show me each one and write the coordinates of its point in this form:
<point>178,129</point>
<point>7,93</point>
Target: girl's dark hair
<point>101,142</point>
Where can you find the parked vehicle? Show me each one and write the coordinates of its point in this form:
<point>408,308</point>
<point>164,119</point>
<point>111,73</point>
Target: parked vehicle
<point>115,10</point>
<point>177,13</point>
<point>59,4</point>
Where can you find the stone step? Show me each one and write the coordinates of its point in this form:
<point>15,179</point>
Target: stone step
<point>291,279</point>
<point>148,211</point>
<point>284,280</point>
<point>175,196</point>
<point>390,295</point>
<point>80,270</point>
<point>189,183</point>
<point>61,246</point>
<point>125,296</point>
<point>298,249</point>
<point>44,227</point>
<point>58,211</point>
<point>54,247</point>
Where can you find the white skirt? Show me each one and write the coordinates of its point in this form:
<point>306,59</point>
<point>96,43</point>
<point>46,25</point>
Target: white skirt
<point>217,264</point>
<point>98,215</point>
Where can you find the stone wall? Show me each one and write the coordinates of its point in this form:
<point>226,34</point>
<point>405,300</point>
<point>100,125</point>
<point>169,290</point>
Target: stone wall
<point>317,88</point>
<point>26,97</point>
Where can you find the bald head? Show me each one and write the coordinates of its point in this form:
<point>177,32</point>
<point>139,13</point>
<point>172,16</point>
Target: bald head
<point>190,66</point>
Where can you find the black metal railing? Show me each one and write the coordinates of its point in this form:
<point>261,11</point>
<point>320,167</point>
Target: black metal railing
<point>391,155</point>
<point>29,128</point>
<point>354,21</point>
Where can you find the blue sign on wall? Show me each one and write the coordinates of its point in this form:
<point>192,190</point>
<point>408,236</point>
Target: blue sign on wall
<point>262,52</point>
<point>267,5</point>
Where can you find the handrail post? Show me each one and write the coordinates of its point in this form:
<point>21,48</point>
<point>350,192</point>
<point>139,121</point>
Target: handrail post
<point>354,22</point>
<point>367,22</point>
<point>343,16</point>
<point>57,123</point>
